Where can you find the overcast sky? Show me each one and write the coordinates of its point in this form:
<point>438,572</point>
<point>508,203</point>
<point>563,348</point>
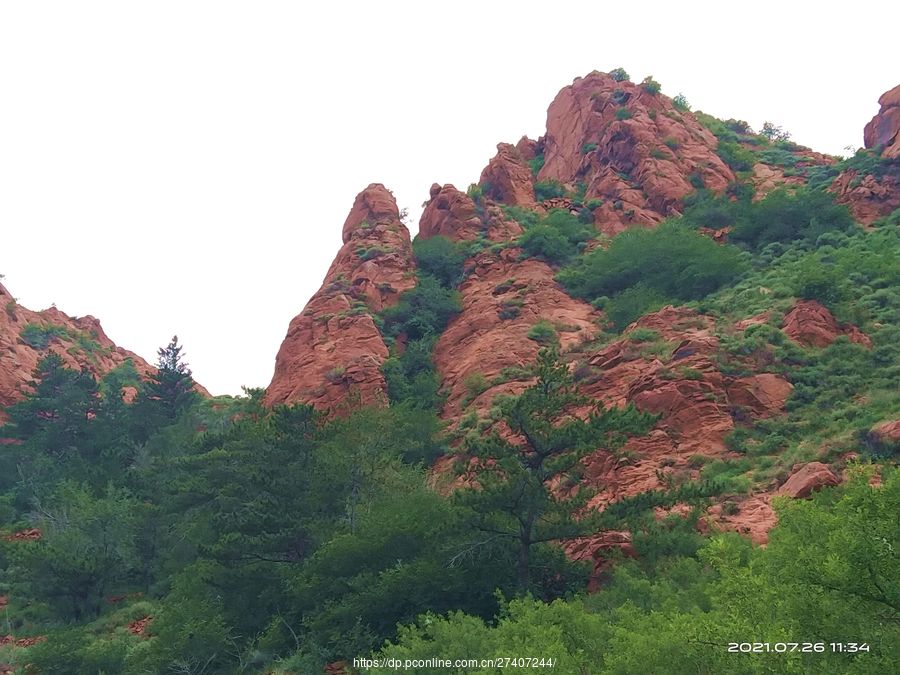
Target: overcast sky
<point>185,167</point>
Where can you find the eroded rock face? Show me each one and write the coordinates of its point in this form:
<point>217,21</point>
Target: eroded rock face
<point>450,213</point>
<point>868,197</point>
<point>884,129</point>
<point>764,395</point>
<point>333,350</point>
<point>640,162</point>
<point>79,341</point>
<point>871,197</point>
<point>807,479</point>
<point>508,177</point>
<point>812,325</point>
<point>502,299</point>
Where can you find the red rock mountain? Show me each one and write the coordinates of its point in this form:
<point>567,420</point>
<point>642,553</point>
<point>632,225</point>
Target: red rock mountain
<point>884,129</point>
<point>26,336</point>
<point>632,156</point>
<point>333,346</point>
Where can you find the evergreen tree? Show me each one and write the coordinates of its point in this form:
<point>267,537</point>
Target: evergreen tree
<point>515,498</point>
<point>166,394</point>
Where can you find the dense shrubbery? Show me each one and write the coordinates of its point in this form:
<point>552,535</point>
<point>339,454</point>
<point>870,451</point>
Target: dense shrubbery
<point>643,266</point>
<point>548,189</point>
<point>826,571</point>
<point>784,216</point>
<point>781,216</point>
<point>441,258</point>
<point>556,237</point>
<point>420,316</point>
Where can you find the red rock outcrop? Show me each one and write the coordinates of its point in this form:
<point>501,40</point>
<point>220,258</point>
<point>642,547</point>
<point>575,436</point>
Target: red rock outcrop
<point>810,324</point>
<point>884,129</point>
<point>639,161</point>
<point>599,550</point>
<point>807,479</point>
<point>763,395</point>
<point>887,432</point>
<point>868,197</point>
<point>502,299</point>
<point>450,213</point>
<point>333,348</point>
<point>752,516</point>
<point>507,177</point>
<point>79,341</point>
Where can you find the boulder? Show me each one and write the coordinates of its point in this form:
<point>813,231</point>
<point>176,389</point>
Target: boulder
<point>807,479</point>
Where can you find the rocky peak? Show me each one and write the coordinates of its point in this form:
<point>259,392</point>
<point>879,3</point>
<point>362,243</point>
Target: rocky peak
<point>449,213</point>
<point>27,336</point>
<point>373,206</point>
<point>629,147</point>
<point>507,177</point>
<point>333,348</point>
<point>884,129</point>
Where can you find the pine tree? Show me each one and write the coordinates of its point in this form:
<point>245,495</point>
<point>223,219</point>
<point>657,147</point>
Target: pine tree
<point>514,498</point>
<point>166,394</point>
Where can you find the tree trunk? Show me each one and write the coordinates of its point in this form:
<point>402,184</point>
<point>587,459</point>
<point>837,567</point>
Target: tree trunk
<point>522,568</point>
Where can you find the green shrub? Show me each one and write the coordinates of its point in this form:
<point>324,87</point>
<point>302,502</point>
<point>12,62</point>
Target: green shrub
<point>685,265</point>
<point>784,216</point>
<point>556,237</point>
<point>543,333</point>
<point>671,142</point>
<point>548,189</point>
<point>737,157</point>
<point>632,303</point>
<point>39,336</point>
<point>475,192</point>
<point>588,147</point>
<point>441,258</point>
<point>623,114</point>
<point>650,85</point>
<point>422,311</point>
<point>619,75</point>
<point>643,335</point>
<point>536,164</point>
<point>681,103</point>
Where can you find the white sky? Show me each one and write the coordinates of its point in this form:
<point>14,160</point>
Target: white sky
<point>185,167</point>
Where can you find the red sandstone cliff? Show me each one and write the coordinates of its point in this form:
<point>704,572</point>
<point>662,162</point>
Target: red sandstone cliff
<point>637,155</point>
<point>333,346</point>
<point>79,341</point>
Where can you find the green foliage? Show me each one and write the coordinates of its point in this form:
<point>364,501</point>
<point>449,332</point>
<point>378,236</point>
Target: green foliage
<point>556,237</point>
<point>619,75</point>
<point>685,266</point>
<point>39,336</point>
<point>828,571</point>
<point>548,189</point>
<point>588,148</point>
<point>650,85</point>
<point>87,548</point>
<point>422,311</point>
<point>168,392</point>
<point>544,333</point>
<point>774,133</point>
<point>441,258</point>
<point>536,164</point>
<point>681,103</point>
<point>421,315</point>
<point>737,157</point>
<point>475,192</point>
<point>513,501</point>
<point>623,114</point>
<point>643,335</point>
<point>784,216</point>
